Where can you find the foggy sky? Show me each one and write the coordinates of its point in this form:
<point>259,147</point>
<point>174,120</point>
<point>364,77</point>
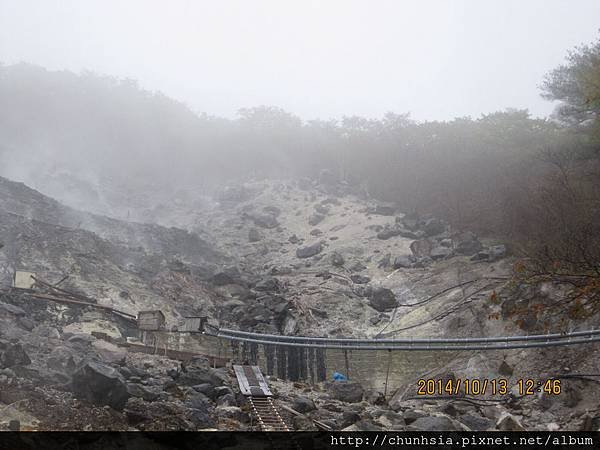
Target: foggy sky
<point>434,59</point>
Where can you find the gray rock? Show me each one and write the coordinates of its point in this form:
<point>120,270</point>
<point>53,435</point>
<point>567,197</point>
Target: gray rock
<point>321,209</point>
<point>383,210</point>
<point>14,355</point>
<point>508,422</point>
<point>232,413</point>
<point>411,415</point>
<point>310,250</point>
<point>374,320</point>
<point>421,248</point>
<point>360,279</point>
<point>254,235</point>
<point>205,388</point>
<point>382,299</point>
<point>476,423</point>
<point>227,400</point>
<point>404,261</point>
<point>433,227</point>
<point>337,260</point>
<point>101,384</point>
<point>348,418</point>
<point>315,219</point>
<point>505,369</point>
<point>467,244</point>
<point>388,233</point>
<point>12,309</point>
<point>26,323</point>
<point>496,252</point>
<point>385,261</point>
<point>347,391</point>
<point>197,400</point>
<point>433,423</point>
<point>374,397</point>
<point>137,390</point>
<point>303,404</point>
<point>440,252</point>
<point>410,223</point>
<point>264,220</point>
<point>273,210</point>
<point>490,254</point>
<point>222,390</point>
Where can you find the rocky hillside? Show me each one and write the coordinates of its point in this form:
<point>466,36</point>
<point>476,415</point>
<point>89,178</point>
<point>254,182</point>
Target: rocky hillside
<point>301,257</point>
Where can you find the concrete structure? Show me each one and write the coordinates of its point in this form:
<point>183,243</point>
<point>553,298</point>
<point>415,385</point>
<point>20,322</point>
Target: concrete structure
<point>23,279</point>
<point>151,320</point>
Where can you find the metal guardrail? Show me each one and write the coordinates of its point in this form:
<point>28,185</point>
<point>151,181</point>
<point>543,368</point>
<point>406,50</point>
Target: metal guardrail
<point>413,344</point>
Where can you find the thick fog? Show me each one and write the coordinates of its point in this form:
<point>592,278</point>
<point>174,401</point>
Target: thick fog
<point>317,59</point>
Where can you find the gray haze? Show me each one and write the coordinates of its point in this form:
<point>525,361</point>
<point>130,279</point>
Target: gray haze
<point>434,59</point>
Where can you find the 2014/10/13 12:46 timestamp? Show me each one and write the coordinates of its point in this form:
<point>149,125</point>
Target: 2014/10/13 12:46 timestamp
<point>486,386</point>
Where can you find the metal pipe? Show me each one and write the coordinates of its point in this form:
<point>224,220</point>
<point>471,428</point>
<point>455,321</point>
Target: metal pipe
<point>309,339</point>
<point>418,347</point>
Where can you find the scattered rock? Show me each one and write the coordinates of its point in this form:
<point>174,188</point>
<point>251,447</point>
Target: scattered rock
<point>433,423</point>
<point>303,404</point>
<point>505,369</point>
<point>421,248</point>
<point>337,260</point>
<point>348,418</point>
<point>315,219</point>
<point>476,423</point>
<point>360,279</point>
<point>12,309</point>
<point>347,391</point>
<point>382,299</point>
<point>264,220</point>
<point>404,261</point>
<point>101,384</point>
<point>374,397</point>
<point>467,244</point>
<point>440,252</point>
<point>508,422</point>
<point>310,250</point>
<point>433,227</point>
<point>14,355</point>
<point>137,390</point>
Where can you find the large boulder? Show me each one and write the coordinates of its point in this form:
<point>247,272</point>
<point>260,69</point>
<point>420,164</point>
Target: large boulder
<point>467,244</point>
<point>309,250</point>
<point>360,279</point>
<point>382,299</point>
<point>264,220</point>
<point>421,248</point>
<point>404,261</point>
<point>14,355</point>
<point>109,353</point>
<point>303,404</point>
<point>433,227</point>
<point>12,309</point>
<point>101,384</point>
<point>440,252</point>
<point>347,391</point>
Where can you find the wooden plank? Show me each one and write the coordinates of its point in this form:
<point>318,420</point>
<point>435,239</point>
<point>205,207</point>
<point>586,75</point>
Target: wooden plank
<point>251,381</point>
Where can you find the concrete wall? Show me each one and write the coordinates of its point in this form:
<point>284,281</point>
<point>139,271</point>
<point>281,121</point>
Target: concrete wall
<point>369,367</point>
